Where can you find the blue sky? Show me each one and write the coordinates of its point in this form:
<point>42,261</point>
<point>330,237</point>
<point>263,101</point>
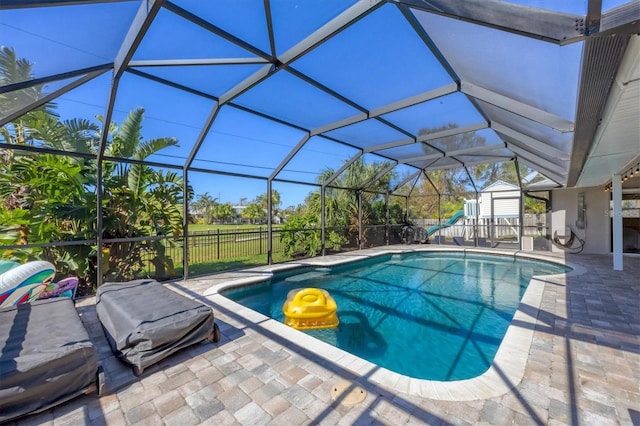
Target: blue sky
<point>377,61</point>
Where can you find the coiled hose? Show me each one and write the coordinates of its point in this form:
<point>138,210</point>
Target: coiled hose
<point>569,244</point>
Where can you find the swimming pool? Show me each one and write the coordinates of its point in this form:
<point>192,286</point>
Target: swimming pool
<point>433,315</point>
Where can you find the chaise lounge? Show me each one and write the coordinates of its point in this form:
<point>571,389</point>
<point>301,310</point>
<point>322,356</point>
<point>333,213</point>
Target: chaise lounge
<point>46,357</point>
<point>145,322</point>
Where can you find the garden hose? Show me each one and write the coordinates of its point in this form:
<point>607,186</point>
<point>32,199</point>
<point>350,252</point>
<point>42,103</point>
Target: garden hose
<point>569,244</point>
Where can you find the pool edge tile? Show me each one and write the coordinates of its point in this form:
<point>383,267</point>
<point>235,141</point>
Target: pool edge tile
<point>506,371</point>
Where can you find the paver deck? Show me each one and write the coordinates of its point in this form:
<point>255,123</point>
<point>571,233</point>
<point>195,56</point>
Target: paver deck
<point>582,367</point>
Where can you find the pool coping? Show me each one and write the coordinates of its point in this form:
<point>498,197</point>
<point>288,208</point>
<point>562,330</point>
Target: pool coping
<point>505,372</point>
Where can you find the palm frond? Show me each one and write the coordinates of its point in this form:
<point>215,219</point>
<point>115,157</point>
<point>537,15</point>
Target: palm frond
<point>128,137</point>
<point>13,70</point>
<point>147,148</point>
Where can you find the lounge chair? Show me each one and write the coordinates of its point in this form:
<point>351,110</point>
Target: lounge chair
<point>145,322</point>
<point>46,357</point>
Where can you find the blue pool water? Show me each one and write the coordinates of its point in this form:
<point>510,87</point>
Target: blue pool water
<point>437,316</point>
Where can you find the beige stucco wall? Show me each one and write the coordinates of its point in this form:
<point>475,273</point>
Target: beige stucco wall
<point>597,232</point>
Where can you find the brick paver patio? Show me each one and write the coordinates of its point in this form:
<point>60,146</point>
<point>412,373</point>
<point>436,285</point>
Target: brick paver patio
<point>583,367</point>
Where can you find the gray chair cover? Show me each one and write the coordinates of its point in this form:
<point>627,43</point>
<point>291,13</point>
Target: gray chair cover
<point>145,322</point>
<point>46,357</point>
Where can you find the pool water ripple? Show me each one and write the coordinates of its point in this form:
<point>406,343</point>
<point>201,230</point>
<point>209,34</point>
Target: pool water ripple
<point>436,316</point>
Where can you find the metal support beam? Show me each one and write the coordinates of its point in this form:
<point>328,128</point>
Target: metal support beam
<point>405,180</point>
<point>594,14</point>
<point>196,62</point>
<point>517,166</point>
<point>559,165</point>
<point>415,182</point>
<point>621,20</point>
<point>47,98</point>
<point>414,100</point>
<point>439,218</point>
<point>421,158</point>
<point>381,173</point>
<point>477,224</point>
<point>541,24</point>
<point>272,38</point>
<point>616,229</point>
<point>247,83</point>
<point>330,29</point>
<point>208,26</point>
<point>202,136</point>
<point>406,209</point>
<point>452,132</point>
<point>269,223</point>
<point>342,169</point>
<point>291,154</point>
<point>323,190</point>
<point>426,175</point>
<point>426,164</point>
<point>532,113</point>
<point>529,142</point>
<point>475,191</point>
<point>25,4</point>
<point>104,136</point>
<point>475,188</point>
<point>420,31</point>
<point>540,165</point>
<point>146,14</point>
<point>99,223</point>
<point>338,124</point>
<point>185,224</point>
<point>55,77</point>
<point>387,218</point>
<point>141,23</point>
<point>389,145</point>
<point>476,150</point>
<point>360,234</point>
<point>395,106</point>
<point>521,209</point>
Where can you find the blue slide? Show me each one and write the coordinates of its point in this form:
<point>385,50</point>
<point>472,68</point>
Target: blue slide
<point>456,217</point>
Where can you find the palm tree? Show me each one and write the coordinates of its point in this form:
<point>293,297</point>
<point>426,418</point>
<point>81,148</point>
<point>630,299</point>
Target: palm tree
<point>254,212</point>
<point>16,70</point>
<point>275,202</point>
<point>205,205</point>
<point>224,212</point>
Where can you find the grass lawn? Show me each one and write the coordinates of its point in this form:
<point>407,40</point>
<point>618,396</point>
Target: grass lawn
<point>221,265</point>
<point>229,227</point>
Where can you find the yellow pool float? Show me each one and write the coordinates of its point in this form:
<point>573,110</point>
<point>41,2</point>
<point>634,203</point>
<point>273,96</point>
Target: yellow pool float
<point>310,309</point>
